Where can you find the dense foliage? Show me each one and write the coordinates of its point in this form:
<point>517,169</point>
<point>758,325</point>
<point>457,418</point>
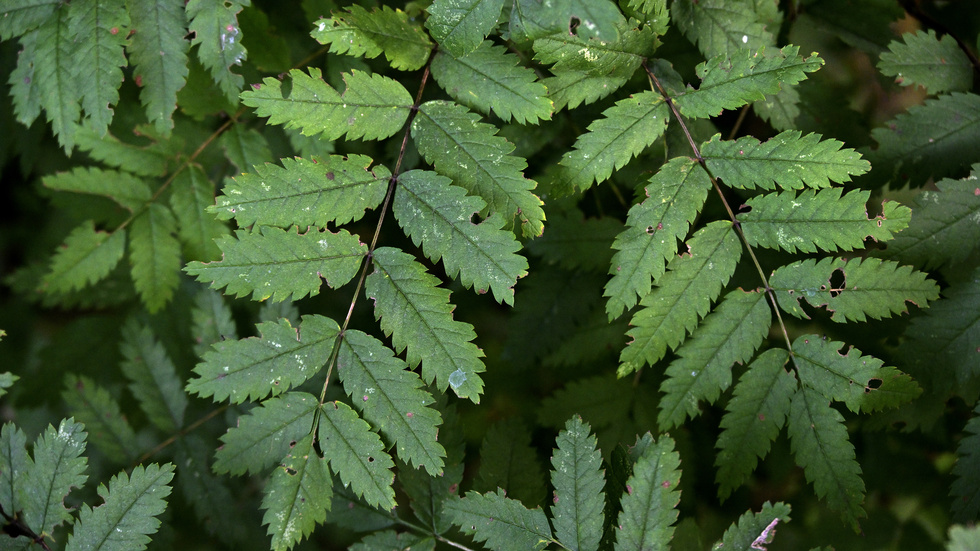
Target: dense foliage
<point>642,275</point>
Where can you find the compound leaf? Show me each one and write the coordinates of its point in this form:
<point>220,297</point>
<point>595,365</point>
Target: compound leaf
<point>938,65</point>
<point>358,32</point>
<point>280,358</point>
<point>460,26</point>
<point>577,513</point>
<point>158,52</point>
<point>218,39</point>
<point>127,518</point>
<point>154,254</point>
<point>418,316</point>
<point>819,442</point>
<point>356,454</point>
<point>282,264</point>
<point>58,467</point>
<point>503,523</point>
<point>674,197</point>
<point>87,257</point>
<point>153,378</point>
<point>682,296</point>
<point>264,435</point>
<point>107,427</point>
<point>461,147</point>
<point>649,506</point>
<point>392,399</point>
<point>304,192</point>
<point>372,107</point>
<point>851,289</point>
<point>437,216</point>
<point>297,496</point>
<point>786,160</point>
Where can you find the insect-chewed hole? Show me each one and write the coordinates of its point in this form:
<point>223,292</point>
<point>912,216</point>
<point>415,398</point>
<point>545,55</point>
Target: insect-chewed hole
<point>872,384</point>
<point>573,25</point>
<point>837,282</point>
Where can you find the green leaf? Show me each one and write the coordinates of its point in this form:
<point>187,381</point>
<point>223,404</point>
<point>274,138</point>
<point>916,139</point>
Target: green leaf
<point>55,71</point>
<point>245,148</point>
<point>674,197</point>
<point>746,76</point>
<point>819,219</point>
<point>574,241</point>
<point>703,369</point>
<point>191,196</point>
<point>649,506</point>
<point>14,465</point>
<point>501,522</point>
<point>86,257</point>
<point>842,377</point>
<point>150,160</point>
<point>358,32</point>
<point>889,388</point>
<point>281,358</point>
<point>418,316</point>
<point>754,530</point>
<point>389,540</point>
<point>160,26</point>
<point>628,127</point>
<point>852,289</point>
<point>305,192</point>
<point>392,399</point>
<point>58,467</point>
<point>107,428</point>
<point>966,487</point>
<point>819,442</point>
<point>154,254</point>
<point>938,65</point>
<point>936,139</point>
<point>586,19</point>
<point>218,39</point>
<point>683,295</point>
<point>153,378</point>
<point>786,160</point>
<point>17,17</point>
<point>461,147</point>
<point>211,321</point>
<point>356,454</point>
<point>372,107</point>
<point>206,492</point>
<point>781,110</point>
<point>719,27</point>
<point>437,216</point>
<point>491,79</point>
<point>282,264</point>
<point>460,26</point>
<point>129,191</point>
<point>578,481</point>
<point>508,462</point>
<point>944,225</point>
<point>23,86</point>
<point>127,518</point>
<point>657,16</point>
<point>753,418</point>
<point>297,496</point>
<point>264,435</point>
<point>98,32</point>
<point>605,402</point>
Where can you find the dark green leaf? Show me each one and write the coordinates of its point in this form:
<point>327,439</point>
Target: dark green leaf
<point>356,454</point>
<point>265,435</point>
<point>578,481</point>
<point>503,523</point>
<point>297,496</point>
<point>358,32</point>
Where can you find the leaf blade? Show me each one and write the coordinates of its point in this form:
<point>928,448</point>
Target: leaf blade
<point>577,514</point>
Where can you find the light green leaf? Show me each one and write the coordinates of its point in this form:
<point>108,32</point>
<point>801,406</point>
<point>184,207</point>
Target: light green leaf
<point>372,107</point>
<point>703,370</point>
<point>245,148</point>
<point>938,65</point>
<point>86,258</point>
<point>577,514</point>
<point>460,26</point>
<point>55,71</point>
<point>219,40</point>
<point>191,195</point>
<point>58,467</point>
<point>754,530</point>
<point>674,197</point>
<point>966,487</point>
<point>418,316</point>
<point>786,160</point>
<point>461,147</point>
<point>107,428</point>
<point>17,17</point>
<point>356,454</point>
<point>503,523</point>
<point>153,377</point>
<point>753,418</point>
<point>129,191</point>
<point>160,27</point>
<point>819,442</point>
<point>392,399</point>
<point>150,160</point>
<point>437,216</point>
<point>127,518</point>
<point>841,377</point>
<point>357,32</point>
<point>852,289</point>
<point>649,506</point>
<point>721,27</point>
<point>98,29</point>
<point>154,254</point>
<point>509,462</point>
<point>683,295</point>
<point>657,16</point>
<point>297,496</point>
<point>305,192</point>
<point>819,219</point>
<point>264,435</point>
<point>280,358</point>
<point>747,76</point>
<point>282,264</point>
<point>628,127</point>
<point>491,79</point>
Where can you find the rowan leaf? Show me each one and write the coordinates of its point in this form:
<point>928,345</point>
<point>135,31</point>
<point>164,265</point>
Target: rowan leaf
<point>98,33</point>
<point>217,36</point>
<point>107,428</point>
<point>130,192</point>
<point>356,454</point>
<point>192,194</point>
<point>460,27</point>
<point>719,27</point>
<point>17,17</point>
<point>54,70</point>
<point>966,487</point>
<point>509,462</point>
<point>578,481</point>
<point>58,467</point>
<point>160,26</point>
<point>650,502</point>
<point>936,64</point>
<point>87,257</point>
<point>357,32</point>
<point>755,530</point>
<point>297,496</point>
<point>153,378</point>
<point>843,377</point>
<point>154,254</point>
<point>503,523</point>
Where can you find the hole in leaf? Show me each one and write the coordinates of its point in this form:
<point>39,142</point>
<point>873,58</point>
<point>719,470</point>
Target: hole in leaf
<point>873,384</point>
<point>650,230</point>
<point>837,283</point>
<point>475,219</point>
<point>573,25</point>
<point>330,176</point>
<point>290,472</point>
<point>370,459</point>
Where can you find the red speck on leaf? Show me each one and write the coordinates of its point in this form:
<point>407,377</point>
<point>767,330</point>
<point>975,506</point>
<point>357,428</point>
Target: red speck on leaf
<point>762,417</point>
<point>330,176</point>
<point>665,484</point>
<point>555,497</point>
<point>629,489</point>
<point>410,415</point>
<point>139,80</point>
<point>365,398</point>
<point>977,192</point>
<point>114,30</point>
